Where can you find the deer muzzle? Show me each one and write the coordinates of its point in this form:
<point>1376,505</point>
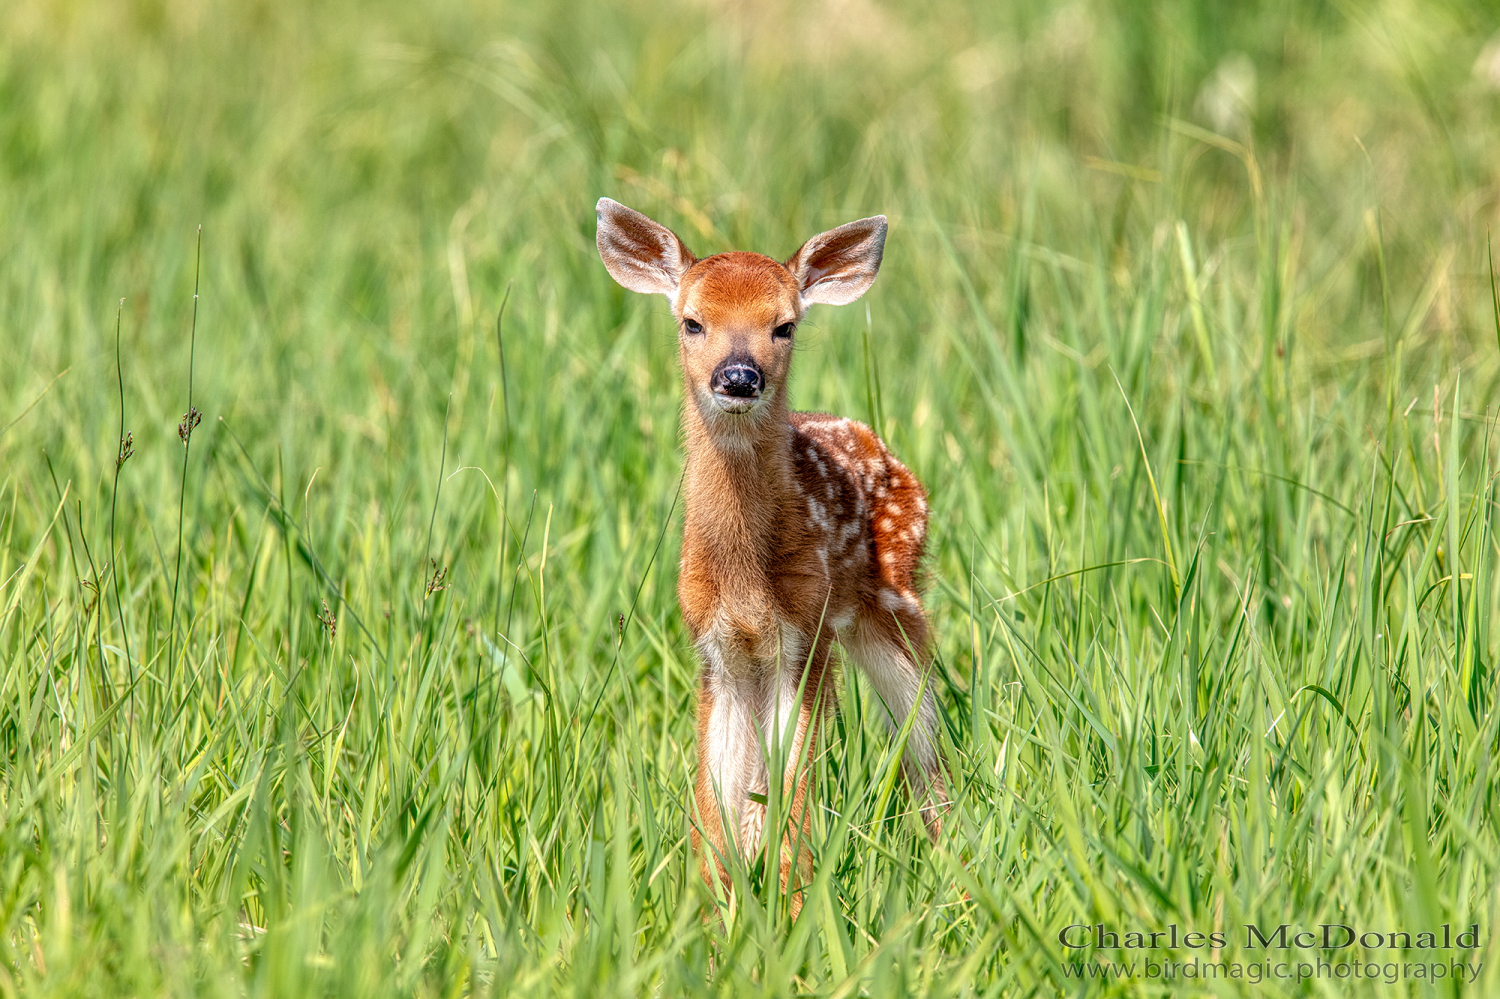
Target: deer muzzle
<point>737,384</point>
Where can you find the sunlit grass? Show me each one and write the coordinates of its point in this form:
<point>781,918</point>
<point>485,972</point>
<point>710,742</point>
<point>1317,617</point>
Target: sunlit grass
<point>1198,367</point>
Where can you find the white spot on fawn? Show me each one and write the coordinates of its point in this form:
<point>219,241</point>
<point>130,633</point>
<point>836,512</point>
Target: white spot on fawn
<point>819,514</point>
<point>848,532</point>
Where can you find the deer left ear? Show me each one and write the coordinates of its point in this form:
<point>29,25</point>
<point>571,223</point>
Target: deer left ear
<point>640,254</point>
<point>838,266</point>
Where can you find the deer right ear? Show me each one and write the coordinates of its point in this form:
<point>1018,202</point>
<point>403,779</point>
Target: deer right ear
<point>640,254</point>
<point>838,266</point>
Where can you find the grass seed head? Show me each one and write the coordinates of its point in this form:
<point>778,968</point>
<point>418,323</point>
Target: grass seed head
<point>189,421</point>
<point>436,578</point>
<point>329,622</point>
<point>91,591</point>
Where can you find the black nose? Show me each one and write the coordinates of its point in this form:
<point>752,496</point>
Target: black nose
<point>738,379</point>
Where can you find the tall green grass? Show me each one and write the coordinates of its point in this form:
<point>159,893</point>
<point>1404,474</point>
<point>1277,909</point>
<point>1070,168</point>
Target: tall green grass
<point>1198,365</point>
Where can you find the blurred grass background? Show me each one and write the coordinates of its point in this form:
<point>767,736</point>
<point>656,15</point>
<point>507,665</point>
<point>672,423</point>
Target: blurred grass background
<point>1185,320</point>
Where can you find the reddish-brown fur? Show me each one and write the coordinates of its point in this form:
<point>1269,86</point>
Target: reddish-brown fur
<point>801,531</point>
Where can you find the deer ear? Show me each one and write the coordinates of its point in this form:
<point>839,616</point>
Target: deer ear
<point>639,253</point>
<point>838,266</point>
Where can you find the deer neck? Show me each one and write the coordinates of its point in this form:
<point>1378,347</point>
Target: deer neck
<point>738,481</point>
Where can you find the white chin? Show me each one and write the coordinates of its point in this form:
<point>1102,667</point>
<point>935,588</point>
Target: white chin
<point>734,404</point>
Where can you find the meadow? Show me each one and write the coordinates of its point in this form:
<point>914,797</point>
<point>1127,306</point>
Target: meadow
<point>372,682</point>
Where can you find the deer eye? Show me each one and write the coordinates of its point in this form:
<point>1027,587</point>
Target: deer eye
<point>784,331</point>
<point>693,326</point>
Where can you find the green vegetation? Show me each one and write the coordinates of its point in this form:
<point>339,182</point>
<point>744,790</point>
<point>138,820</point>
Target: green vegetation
<point>379,687</point>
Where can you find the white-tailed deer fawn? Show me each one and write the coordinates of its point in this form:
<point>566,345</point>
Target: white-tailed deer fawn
<point>801,530</point>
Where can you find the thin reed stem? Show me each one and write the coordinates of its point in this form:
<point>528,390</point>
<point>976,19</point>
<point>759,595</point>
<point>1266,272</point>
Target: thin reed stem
<point>189,421</point>
<point>121,456</point>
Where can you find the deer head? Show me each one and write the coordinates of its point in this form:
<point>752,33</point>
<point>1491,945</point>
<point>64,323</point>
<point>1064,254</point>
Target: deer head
<point>737,313</point>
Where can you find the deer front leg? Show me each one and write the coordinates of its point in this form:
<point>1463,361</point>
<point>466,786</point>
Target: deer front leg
<point>730,767</point>
<point>792,743</point>
<point>742,726</point>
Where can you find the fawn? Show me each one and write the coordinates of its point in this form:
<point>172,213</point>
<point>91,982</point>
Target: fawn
<point>800,530</point>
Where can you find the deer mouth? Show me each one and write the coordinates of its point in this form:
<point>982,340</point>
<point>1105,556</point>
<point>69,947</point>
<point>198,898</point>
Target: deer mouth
<point>727,403</point>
